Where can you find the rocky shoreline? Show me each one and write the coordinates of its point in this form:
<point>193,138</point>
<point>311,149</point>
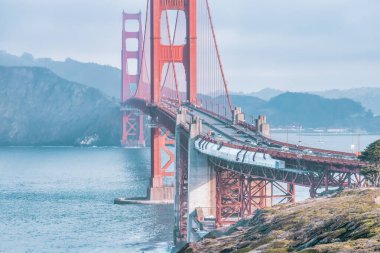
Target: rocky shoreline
<point>349,221</point>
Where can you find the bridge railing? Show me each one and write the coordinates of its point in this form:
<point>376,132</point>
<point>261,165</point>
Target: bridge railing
<point>332,152</point>
<point>289,155</point>
<point>280,143</point>
<point>224,117</point>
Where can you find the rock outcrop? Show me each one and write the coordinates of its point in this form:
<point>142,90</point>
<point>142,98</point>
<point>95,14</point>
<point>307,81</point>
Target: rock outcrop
<point>346,222</point>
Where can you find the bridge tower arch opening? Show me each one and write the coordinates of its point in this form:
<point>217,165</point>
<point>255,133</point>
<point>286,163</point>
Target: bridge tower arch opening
<point>163,53</point>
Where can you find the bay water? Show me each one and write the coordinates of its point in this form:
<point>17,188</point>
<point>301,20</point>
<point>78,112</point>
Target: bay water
<point>60,199</point>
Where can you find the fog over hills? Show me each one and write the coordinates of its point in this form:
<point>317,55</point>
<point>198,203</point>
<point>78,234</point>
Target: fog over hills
<point>39,108</point>
<point>310,111</point>
<point>267,93</point>
<point>369,97</point>
<point>103,77</point>
<point>108,80</point>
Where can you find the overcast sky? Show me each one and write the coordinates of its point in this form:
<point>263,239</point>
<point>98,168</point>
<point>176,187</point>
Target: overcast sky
<point>284,44</point>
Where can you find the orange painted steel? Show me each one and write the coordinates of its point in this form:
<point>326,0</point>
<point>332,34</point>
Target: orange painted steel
<point>159,143</point>
<point>239,196</point>
<point>161,54</point>
<point>132,120</point>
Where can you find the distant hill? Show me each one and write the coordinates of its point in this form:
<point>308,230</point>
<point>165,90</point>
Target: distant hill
<point>367,96</point>
<point>249,103</point>
<point>39,108</point>
<point>333,108</point>
<point>310,111</point>
<point>266,94</point>
<point>105,78</point>
<point>315,111</point>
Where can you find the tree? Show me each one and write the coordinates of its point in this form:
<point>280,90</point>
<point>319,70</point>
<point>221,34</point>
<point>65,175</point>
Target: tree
<point>372,155</point>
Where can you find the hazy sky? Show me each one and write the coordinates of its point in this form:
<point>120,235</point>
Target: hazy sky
<point>284,44</point>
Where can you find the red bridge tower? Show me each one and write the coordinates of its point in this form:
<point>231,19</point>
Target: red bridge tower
<point>133,120</point>
<point>161,54</point>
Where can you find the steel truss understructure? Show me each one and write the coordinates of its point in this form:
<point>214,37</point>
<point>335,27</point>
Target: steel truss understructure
<point>313,179</point>
<point>238,196</point>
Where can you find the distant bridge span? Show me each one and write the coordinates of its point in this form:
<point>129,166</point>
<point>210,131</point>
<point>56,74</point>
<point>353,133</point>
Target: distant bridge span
<point>225,168</point>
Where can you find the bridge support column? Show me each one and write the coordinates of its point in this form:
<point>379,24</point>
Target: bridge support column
<point>181,179</point>
<point>133,128</point>
<point>228,198</point>
<point>239,196</point>
<point>141,132</point>
<point>260,194</point>
<point>292,191</point>
<point>158,191</point>
<point>201,182</point>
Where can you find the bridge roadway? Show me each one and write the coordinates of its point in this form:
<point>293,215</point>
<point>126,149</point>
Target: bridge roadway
<point>240,135</point>
<point>330,168</point>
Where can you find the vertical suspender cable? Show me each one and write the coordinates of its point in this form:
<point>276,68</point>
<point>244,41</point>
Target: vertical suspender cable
<point>143,50</point>
<point>175,30</point>
<point>219,60</point>
<point>171,54</point>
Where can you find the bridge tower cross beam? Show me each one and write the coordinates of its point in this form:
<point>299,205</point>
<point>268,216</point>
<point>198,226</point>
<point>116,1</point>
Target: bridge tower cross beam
<point>185,54</point>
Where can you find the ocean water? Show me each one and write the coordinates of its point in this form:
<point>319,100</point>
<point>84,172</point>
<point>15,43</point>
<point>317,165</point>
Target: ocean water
<point>61,199</point>
<point>347,143</point>
<point>333,142</point>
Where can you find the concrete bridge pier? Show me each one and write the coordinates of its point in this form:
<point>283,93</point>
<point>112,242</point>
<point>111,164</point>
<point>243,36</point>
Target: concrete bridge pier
<point>202,184</point>
<point>195,182</point>
<point>181,179</point>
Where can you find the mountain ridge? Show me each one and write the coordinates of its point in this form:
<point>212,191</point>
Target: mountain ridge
<point>369,97</point>
<point>108,80</point>
<point>309,111</point>
<point>37,107</point>
<point>325,110</point>
<point>103,77</point>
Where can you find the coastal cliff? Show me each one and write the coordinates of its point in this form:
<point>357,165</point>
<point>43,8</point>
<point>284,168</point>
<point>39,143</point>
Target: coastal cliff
<point>37,107</point>
<point>346,222</point>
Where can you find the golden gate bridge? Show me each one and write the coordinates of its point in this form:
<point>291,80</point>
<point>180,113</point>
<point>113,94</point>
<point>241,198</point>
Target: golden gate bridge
<point>225,168</point>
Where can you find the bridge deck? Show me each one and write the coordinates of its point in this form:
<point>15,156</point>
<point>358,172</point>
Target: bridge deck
<point>242,137</point>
